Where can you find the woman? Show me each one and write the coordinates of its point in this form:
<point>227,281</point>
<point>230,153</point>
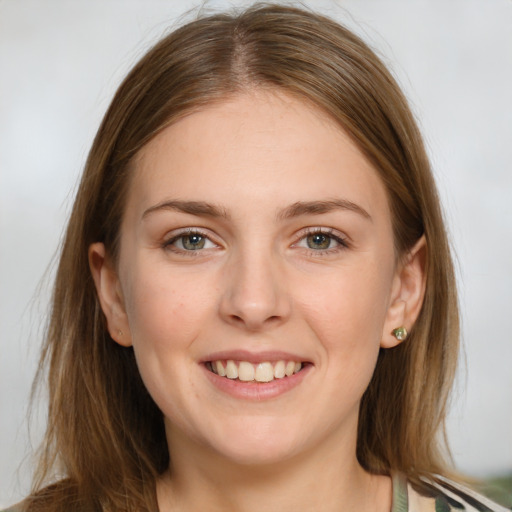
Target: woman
<point>255,304</point>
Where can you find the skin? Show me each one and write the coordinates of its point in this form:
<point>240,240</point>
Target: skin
<point>258,285</point>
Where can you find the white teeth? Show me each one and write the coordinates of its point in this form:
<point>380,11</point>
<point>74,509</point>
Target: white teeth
<point>261,372</point>
<point>231,370</point>
<point>290,367</point>
<point>279,370</point>
<point>245,371</point>
<point>219,369</point>
<point>264,372</point>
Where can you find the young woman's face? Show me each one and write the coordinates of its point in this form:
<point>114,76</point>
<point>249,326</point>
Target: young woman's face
<point>257,242</point>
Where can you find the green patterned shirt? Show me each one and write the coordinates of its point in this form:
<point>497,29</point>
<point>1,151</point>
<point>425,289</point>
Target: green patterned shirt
<point>441,495</point>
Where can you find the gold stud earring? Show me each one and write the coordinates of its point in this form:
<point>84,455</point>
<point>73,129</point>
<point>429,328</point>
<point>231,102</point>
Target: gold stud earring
<point>119,332</point>
<point>400,333</point>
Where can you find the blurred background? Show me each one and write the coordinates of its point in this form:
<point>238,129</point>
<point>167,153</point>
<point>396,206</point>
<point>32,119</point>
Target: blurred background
<point>60,63</point>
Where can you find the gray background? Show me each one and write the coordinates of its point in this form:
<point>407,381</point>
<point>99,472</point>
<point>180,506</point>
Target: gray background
<point>60,62</point>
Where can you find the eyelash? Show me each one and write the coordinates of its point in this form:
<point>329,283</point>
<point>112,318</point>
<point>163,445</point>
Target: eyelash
<point>168,244</point>
<point>327,232</point>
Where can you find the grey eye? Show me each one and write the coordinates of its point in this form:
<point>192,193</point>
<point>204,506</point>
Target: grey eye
<point>192,242</point>
<point>319,241</point>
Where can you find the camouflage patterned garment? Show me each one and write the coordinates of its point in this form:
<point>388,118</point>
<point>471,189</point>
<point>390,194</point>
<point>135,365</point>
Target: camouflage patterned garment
<point>443,495</point>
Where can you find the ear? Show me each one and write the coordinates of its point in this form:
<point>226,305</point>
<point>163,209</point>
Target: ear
<point>407,293</point>
<point>110,295</point>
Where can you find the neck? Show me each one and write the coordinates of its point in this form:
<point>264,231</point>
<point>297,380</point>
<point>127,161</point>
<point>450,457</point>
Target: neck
<point>325,479</point>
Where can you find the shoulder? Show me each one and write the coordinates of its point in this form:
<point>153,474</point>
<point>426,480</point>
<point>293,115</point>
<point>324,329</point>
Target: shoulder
<point>439,494</point>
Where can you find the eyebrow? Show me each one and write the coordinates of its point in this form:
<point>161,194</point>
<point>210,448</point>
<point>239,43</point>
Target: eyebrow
<point>191,207</point>
<point>202,208</point>
<point>319,207</point>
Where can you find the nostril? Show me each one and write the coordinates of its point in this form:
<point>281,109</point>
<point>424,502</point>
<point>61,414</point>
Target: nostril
<point>253,301</point>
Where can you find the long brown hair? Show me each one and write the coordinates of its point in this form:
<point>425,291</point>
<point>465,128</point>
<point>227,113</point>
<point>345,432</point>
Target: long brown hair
<point>105,444</point>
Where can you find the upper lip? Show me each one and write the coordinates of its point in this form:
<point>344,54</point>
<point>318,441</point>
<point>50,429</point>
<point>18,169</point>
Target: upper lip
<point>254,357</point>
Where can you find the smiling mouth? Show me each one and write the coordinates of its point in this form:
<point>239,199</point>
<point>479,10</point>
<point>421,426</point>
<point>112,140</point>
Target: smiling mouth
<point>249,372</point>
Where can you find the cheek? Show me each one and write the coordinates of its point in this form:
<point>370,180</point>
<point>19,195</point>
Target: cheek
<point>165,317</point>
<point>350,305</point>
<point>164,311</point>
<point>347,315</point>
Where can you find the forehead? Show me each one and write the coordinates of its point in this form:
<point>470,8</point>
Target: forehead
<point>261,145</point>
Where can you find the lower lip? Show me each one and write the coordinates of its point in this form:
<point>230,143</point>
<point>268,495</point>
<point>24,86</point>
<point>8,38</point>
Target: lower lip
<point>257,391</point>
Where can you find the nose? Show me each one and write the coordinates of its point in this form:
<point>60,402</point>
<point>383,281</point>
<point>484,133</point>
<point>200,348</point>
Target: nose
<point>255,293</point>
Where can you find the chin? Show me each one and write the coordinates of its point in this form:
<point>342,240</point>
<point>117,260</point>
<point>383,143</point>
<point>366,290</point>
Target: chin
<point>257,446</point>
<point>257,455</point>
